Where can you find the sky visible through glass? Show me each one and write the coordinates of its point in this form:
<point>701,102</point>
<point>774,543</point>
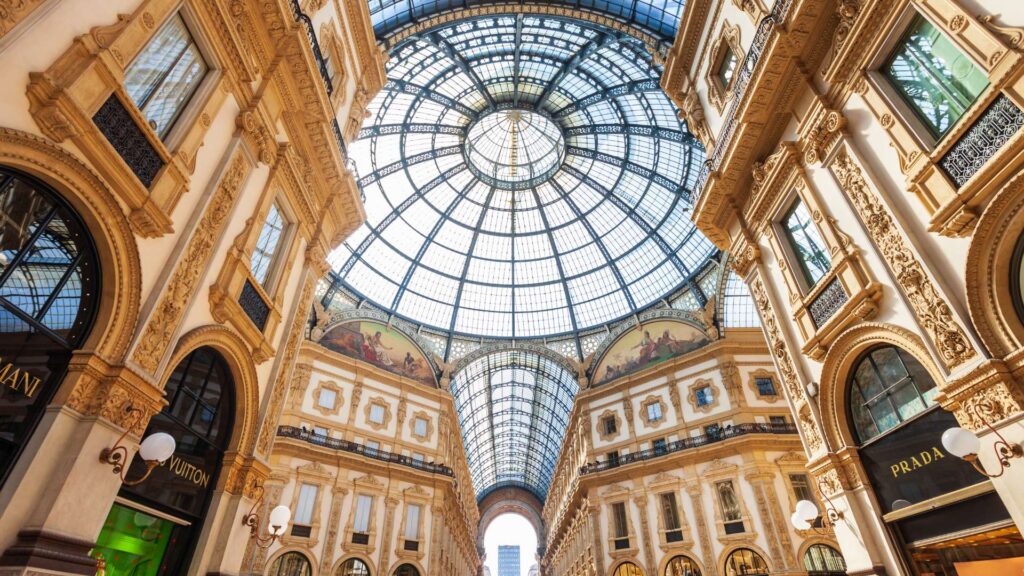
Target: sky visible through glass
<point>511,530</point>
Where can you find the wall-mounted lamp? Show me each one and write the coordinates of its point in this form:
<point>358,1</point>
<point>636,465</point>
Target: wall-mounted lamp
<point>154,450</point>
<point>276,525</point>
<point>806,514</point>
<point>963,443</point>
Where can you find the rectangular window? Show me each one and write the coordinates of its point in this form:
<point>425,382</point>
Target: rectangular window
<point>412,522</point>
<point>713,431</point>
<point>727,67</point>
<point>321,431</point>
<point>765,386</point>
<point>670,511</point>
<point>304,508</point>
<point>264,254</point>
<point>806,243</point>
<point>165,75</point>
<point>420,427</point>
<point>620,523</point>
<point>613,458</point>
<point>377,413</point>
<point>609,425</point>
<point>730,506</point>
<point>704,396</point>
<point>777,421</point>
<point>660,446</point>
<point>372,447</point>
<point>327,398</point>
<point>654,411</point>
<point>801,487</point>
<point>364,504</point>
<point>933,76</point>
<point>417,457</point>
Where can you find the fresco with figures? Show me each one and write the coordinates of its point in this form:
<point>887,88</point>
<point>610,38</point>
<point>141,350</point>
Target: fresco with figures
<point>381,346</point>
<point>647,345</point>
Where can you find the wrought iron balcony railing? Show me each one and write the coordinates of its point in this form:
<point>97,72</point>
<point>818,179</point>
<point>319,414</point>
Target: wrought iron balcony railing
<point>325,75</point>
<point>780,10</point>
<point>354,448</point>
<point>687,443</point>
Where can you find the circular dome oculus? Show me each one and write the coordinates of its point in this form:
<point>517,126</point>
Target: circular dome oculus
<point>525,177</point>
<point>517,149</point>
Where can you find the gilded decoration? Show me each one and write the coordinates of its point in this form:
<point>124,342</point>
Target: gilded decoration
<point>695,387</point>
<point>421,415</point>
<point>928,306</point>
<point>268,427</point>
<point>163,322</point>
<point>602,427</point>
<point>645,411</point>
<point>339,400</point>
<point>752,384</point>
<point>989,267</point>
<point>386,409</point>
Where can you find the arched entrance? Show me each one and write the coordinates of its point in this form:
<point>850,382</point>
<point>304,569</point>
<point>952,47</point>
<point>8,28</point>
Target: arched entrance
<point>154,526</point>
<point>510,516</point>
<point>407,570</point>
<point>49,288</point>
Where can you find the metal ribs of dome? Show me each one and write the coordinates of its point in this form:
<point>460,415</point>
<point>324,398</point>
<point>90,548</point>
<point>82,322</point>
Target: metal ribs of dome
<point>660,18</point>
<point>604,236</point>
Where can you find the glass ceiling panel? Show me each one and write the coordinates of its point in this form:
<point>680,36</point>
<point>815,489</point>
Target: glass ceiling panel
<point>526,151</point>
<point>513,409</point>
<point>657,17</point>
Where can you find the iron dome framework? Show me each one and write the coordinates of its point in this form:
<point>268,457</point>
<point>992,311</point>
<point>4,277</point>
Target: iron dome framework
<point>603,236</point>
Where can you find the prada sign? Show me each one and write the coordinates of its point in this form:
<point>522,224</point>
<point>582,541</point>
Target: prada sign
<point>909,465</point>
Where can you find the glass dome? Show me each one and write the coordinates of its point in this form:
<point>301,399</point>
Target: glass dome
<point>525,177</point>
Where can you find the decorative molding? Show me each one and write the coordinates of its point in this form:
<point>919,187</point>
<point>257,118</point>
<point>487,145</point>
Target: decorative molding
<point>652,400</point>
<point>691,395</point>
<point>339,400</point>
<point>378,401</point>
<point>599,423</point>
<point>430,426</point>
<point>167,314</point>
<point>931,310</point>
<point>752,384</point>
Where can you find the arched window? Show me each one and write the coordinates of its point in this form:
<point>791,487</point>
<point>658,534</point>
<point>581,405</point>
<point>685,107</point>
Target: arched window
<point>628,569</point>
<point>353,567</point>
<point>290,564</point>
<point>1017,278</point>
<point>682,566</point>
<point>823,560</point>
<point>407,570</point>
<point>199,415</point>
<point>745,562</point>
<point>887,386</point>
<point>49,288</point>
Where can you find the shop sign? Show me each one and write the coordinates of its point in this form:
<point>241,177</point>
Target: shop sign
<point>910,465</point>
<point>18,379</point>
<point>187,470</point>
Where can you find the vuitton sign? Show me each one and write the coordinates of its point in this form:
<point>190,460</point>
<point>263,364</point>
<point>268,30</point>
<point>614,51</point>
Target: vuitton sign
<point>909,465</point>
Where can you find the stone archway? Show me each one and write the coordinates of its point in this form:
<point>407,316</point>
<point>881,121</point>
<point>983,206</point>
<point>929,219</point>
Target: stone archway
<point>510,500</point>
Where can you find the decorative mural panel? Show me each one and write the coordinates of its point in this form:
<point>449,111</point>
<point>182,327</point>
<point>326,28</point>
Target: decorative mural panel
<point>647,345</point>
<point>381,346</point>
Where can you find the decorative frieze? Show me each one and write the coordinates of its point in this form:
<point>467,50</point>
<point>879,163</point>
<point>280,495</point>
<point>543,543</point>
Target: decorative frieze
<point>166,316</point>
<point>928,306</point>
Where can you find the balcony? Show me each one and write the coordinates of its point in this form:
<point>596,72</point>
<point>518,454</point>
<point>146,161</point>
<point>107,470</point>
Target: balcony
<point>688,443</point>
<point>354,448</point>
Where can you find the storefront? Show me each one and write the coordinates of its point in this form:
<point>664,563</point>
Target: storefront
<point>153,527</point>
<point>945,516</point>
<point>49,284</point>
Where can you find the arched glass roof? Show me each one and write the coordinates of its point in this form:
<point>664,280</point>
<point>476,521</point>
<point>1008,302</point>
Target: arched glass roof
<point>513,409</point>
<point>525,177</point>
<point>657,17</point>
